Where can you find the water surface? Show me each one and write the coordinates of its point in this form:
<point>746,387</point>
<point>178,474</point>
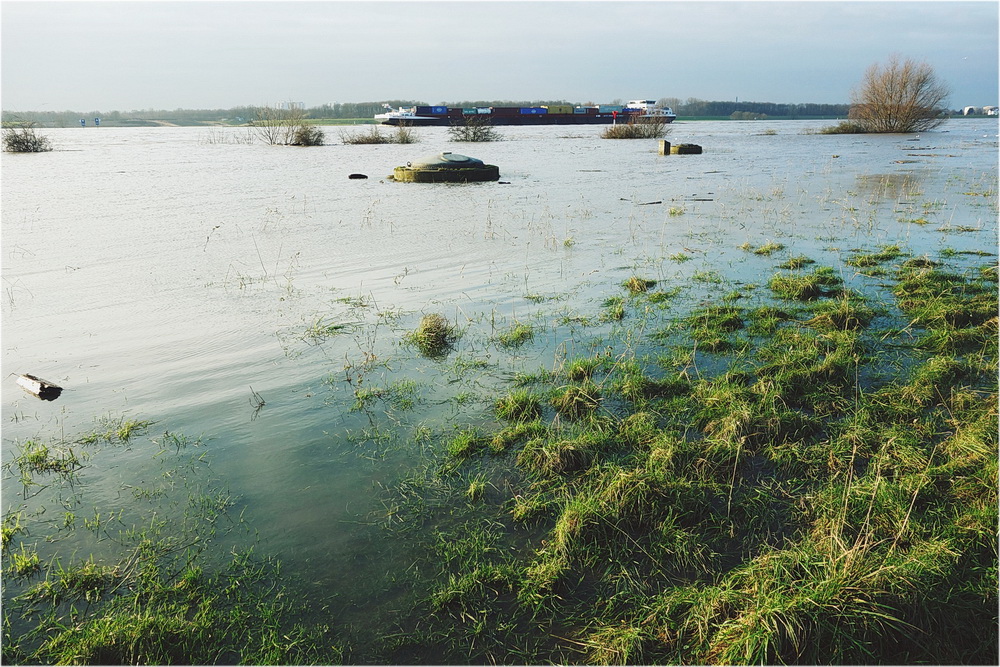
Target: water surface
<point>166,274</point>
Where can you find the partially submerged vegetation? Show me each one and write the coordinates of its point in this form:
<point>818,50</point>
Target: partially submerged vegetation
<point>643,128</point>
<point>20,137</point>
<point>901,95</point>
<point>434,335</point>
<point>474,129</point>
<point>793,479</point>
<point>827,494</point>
<point>793,471</point>
<point>376,134</point>
<point>285,127</point>
<point>152,590</point>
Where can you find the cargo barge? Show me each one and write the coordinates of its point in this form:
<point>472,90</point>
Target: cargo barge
<point>556,114</point>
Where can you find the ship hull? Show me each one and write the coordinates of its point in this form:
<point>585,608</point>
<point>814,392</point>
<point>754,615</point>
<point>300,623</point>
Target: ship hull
<point>526,119</point>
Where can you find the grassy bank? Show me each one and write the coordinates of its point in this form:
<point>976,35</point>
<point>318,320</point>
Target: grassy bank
<point>809,479</point>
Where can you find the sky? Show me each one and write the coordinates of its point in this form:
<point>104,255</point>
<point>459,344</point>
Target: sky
<point>132,55</point>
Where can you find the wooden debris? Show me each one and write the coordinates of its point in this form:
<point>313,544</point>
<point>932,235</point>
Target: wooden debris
<point>43,389</point>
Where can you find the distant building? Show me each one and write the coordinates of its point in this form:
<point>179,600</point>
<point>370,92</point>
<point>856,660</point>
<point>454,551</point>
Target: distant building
<point>975,111</point>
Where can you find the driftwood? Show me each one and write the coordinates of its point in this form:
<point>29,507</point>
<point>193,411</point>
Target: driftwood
<point>43,389</point>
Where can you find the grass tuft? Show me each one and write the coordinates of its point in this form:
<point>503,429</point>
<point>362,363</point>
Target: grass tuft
<point>577,401</point>
<point>805,287</point>
<point>637,285</point>
<point>434,336</point>
<point>518,334</point>
<point>519,405</point>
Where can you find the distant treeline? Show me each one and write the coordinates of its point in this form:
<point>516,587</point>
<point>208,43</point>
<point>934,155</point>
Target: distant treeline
<point>691,107</point>
<point>696,107</point>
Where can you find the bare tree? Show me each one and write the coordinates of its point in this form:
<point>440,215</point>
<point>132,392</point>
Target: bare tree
<point>285,127</point>
<point>899,96</point>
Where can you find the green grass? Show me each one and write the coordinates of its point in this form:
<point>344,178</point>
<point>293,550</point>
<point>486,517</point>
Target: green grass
<point>400,395</point>
<point>36,457</point>
<point>12,525</point>
<point>434,335</point>
<point>825,493</point>
<point>320,330</point>
<point>519,405</point>
<point>466,443</point>
<point>796,262</point>
<point>24,562</point>
<point>766,250</point>
<point>711,326</point>
<point>801,475</point>
<point>517,335</point>
<point>119,430</point>
<point>577,401</point>
<point>613,308</point>
<point>805,287</point>
<point>155,591</point>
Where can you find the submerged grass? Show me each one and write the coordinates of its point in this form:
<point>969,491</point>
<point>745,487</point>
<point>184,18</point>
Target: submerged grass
<point>801,476</point>
<point>517,335</point>
<point>155,592</point>
<point>825,494</point>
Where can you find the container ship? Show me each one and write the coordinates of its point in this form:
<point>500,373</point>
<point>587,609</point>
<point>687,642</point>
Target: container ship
<point>553,114</point>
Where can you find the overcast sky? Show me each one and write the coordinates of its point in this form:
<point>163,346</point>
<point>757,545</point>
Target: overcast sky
<point>198,55</point>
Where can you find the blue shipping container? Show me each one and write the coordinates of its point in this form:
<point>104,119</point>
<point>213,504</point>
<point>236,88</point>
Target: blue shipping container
<point>439,109</point>
<point>533,110</point>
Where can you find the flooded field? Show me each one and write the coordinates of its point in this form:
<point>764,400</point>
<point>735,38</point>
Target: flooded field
<point>246,309</point>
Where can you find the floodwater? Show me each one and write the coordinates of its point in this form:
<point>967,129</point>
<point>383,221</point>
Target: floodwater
<point>241,294</point>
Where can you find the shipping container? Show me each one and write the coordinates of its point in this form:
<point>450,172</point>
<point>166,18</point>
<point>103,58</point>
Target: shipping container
<point>483,110</point>
<point>437,110</point>
<point>469,112</point>
<point>532,110</point>
<point>559,108</point>
<point>423,110</point>
<point>608,108</point>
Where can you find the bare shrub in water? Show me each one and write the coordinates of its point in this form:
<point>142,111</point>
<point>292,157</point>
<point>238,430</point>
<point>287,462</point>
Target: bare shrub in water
<point>20,137</point>
<point>376,135</point>
<point>642,128</point>
<point>285,127</point>
<point>308,135</point>
<point>474,128</point>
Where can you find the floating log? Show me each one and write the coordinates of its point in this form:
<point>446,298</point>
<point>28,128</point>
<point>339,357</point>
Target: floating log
<point>43,389</point>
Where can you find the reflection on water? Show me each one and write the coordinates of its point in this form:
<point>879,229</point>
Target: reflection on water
<point>890,186</point>
<point>249,295</point>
